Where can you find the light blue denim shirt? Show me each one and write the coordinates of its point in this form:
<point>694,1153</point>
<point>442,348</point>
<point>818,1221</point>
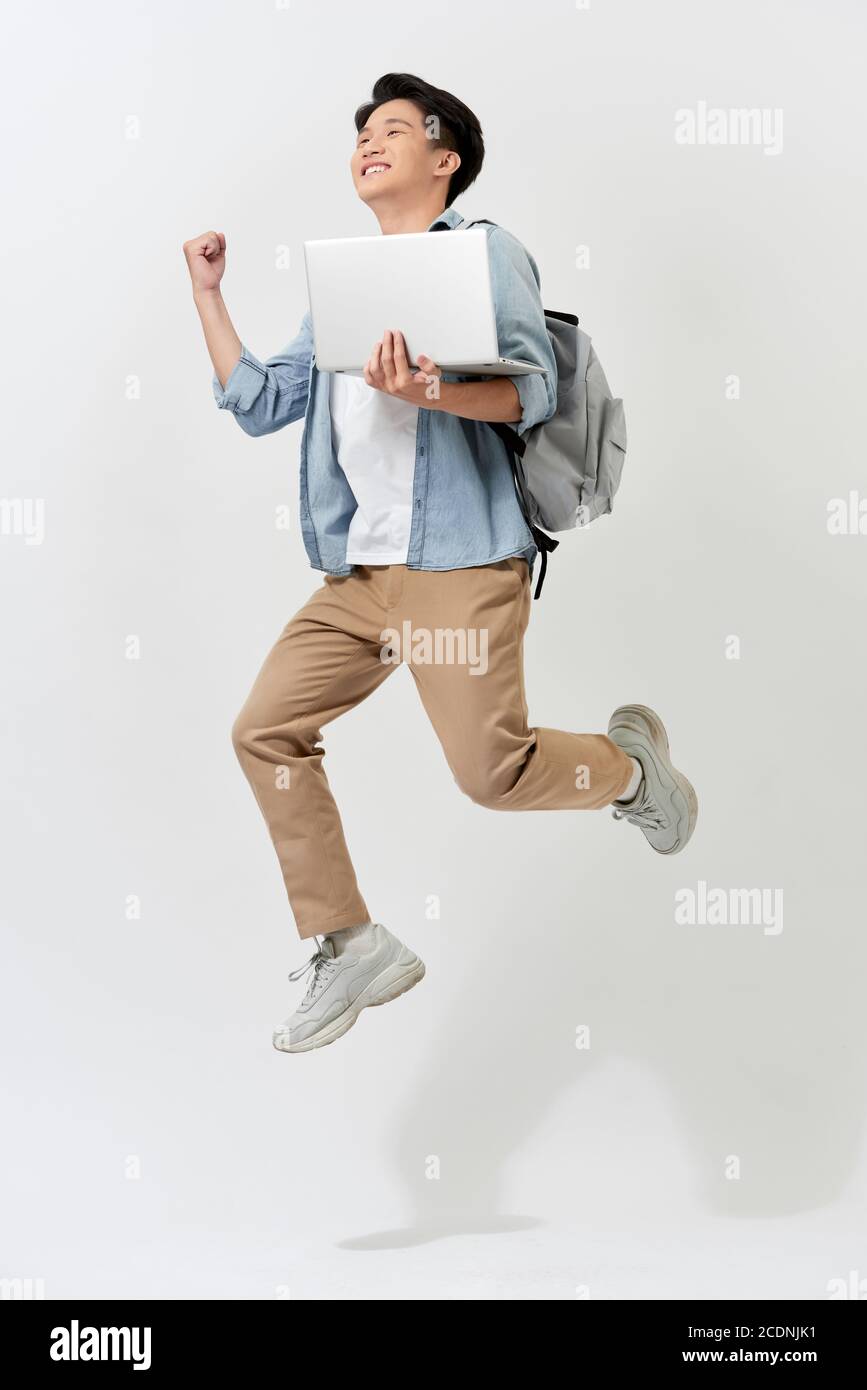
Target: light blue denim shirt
<point>464,509</point>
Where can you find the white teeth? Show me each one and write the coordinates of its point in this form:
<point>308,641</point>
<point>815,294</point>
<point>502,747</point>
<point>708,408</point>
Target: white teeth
<point>375,169</point>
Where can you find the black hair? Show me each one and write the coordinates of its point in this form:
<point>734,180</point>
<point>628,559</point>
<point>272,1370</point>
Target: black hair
<point>459,127</point>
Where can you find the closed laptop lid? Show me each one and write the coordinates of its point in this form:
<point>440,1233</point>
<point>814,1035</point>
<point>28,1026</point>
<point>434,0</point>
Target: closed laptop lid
<point>434,287</point>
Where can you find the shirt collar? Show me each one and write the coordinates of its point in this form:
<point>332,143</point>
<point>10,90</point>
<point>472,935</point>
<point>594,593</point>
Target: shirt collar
<point>449,217</point>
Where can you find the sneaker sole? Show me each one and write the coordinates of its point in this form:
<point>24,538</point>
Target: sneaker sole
<point>638,718</point>
<point>393,981</point>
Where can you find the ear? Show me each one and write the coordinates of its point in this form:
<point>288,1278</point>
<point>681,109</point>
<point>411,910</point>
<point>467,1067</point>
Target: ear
<point>448,163</point>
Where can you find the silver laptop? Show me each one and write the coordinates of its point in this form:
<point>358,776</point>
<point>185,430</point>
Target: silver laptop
<point>433,286</point>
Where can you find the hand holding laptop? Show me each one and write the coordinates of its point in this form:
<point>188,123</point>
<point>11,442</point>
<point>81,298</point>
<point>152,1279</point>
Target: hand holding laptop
<point>388,369</point>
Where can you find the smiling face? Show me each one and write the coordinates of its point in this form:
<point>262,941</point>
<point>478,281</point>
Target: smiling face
<point>395,162</point>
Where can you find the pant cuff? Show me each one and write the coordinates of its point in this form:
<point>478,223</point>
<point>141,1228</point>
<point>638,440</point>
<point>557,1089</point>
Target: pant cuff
<point>323,926</point>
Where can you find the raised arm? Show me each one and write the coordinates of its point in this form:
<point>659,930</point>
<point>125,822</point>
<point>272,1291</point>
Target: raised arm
<point>262,396</point>
<point>206,262</point>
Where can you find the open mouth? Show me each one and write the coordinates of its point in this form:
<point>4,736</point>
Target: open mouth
<point>375,169</point>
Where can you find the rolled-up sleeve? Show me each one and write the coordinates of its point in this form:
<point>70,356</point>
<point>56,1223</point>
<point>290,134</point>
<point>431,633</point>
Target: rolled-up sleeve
<point>265,396</point>
<point>521,330</point>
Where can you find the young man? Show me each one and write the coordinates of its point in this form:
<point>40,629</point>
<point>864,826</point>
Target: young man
<point>408,506</point>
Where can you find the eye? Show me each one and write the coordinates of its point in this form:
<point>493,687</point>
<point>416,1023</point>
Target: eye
<point>365,139</point>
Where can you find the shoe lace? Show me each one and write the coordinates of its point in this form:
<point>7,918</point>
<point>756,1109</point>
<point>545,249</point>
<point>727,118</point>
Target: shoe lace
<point>646,813</point>
<point>322,967</point>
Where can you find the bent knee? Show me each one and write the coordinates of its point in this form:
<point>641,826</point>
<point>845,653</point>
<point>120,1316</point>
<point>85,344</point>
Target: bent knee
<point>243,733</point>
<point>260,732</point>
<point>251,730</point>
<point>483,789</point>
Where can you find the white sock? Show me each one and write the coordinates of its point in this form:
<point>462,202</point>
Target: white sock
<point>637,774</point>
<point>357,939</point>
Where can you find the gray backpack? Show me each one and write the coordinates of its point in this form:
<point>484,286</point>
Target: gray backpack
<point>568,469</point>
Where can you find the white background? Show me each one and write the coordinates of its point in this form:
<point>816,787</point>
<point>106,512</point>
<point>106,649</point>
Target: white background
<point>148,1041</point>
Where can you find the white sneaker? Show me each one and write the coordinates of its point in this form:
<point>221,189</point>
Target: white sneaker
<point>342,986</point>
<point>665,807</point>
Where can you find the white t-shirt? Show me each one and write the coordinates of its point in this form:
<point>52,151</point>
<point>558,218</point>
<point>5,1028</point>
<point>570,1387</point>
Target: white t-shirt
<point>374,438</point>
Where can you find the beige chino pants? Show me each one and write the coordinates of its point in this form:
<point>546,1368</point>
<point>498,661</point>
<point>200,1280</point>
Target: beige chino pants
<point>461,634</point>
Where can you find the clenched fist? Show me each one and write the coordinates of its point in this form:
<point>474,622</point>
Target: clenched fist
<point>206,260</point>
